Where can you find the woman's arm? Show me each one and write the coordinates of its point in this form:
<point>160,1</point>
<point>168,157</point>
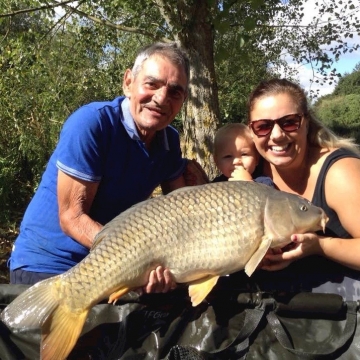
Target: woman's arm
<point>342,191</point>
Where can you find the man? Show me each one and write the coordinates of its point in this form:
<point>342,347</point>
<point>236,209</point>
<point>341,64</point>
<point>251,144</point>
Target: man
<point>110,155</point>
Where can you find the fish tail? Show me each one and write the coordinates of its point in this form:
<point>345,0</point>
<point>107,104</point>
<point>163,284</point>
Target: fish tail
<point>61,332</point>
<point>40,306</point>
<point>32,307</point>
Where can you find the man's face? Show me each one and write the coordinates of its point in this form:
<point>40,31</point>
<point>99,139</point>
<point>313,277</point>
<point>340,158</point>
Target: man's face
<point>156,94</point>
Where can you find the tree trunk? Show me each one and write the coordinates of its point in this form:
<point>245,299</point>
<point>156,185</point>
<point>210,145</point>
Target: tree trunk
<point>201,113</point>
<point>191,23</point>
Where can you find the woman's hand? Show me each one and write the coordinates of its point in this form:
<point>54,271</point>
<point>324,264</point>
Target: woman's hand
<point>301,245</point>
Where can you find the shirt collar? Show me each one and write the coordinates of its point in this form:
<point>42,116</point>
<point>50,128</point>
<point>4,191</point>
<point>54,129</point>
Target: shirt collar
<point>130,127</point>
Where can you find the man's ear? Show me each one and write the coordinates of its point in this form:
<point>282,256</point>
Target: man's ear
<point>127,82</point>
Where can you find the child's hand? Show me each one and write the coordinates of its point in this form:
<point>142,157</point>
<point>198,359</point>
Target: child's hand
<point>240,173</point>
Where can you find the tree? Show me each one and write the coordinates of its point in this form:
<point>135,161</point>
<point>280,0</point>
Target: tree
<point>342,114</point>
<point>198,25</point>
<point>349,83</point>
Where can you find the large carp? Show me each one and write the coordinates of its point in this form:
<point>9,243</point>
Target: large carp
<point>199,233</point>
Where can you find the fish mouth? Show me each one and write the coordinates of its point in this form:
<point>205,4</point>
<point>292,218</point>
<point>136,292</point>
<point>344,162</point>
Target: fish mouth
<point>324,219</point>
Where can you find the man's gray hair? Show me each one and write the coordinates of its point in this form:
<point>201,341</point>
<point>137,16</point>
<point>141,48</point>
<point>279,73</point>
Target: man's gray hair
<point>171,51</point>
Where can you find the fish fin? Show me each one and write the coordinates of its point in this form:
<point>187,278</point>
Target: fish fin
<point>115,296</point>
<point>259,254</point>
<point>97,241</point>
<point>60,333</point>
<point>199,289</point>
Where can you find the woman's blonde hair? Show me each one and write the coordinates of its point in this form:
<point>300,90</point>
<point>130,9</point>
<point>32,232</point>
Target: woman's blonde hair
<point>318,134</point>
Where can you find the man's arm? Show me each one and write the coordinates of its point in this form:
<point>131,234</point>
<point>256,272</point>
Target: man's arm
<point>169,186</point>
<point>75,198</point>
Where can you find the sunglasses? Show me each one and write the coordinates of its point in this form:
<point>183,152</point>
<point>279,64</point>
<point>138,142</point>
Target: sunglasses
<point>287,123</point>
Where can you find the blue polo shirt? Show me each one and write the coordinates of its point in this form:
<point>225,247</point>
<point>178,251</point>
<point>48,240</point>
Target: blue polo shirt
<point>99,143</point>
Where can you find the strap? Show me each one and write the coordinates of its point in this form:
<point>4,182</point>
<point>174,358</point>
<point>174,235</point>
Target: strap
<point>283,338</point>
<point>173,335</point>
<point>251,322</point>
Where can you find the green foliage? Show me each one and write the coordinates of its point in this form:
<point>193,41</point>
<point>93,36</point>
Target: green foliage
<point>237,75</point>
<point>341,109</point>
<point>349,83</point>
<point>20,141</point>
<point>240,63</point>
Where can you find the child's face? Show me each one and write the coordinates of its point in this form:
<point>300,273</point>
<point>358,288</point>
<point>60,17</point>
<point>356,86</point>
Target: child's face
<point>236,150</point>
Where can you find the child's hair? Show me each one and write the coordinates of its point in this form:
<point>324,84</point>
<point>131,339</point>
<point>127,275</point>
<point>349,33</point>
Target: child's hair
<point>232,128</point>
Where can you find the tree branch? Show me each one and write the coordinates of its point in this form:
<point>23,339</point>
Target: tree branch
<point>48,6</point>
<point>95,19</point>
<point>111,24</point>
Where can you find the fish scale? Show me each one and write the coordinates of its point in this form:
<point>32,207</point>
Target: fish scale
<point>199,233</point>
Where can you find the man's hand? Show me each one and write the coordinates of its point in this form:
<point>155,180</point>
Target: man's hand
<point>160,281</point>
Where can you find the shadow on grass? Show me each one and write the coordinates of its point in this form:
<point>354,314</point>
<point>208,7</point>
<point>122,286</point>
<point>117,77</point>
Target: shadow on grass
<point>7,238</point>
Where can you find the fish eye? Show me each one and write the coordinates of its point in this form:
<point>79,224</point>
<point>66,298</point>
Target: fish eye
<point>303,208</point>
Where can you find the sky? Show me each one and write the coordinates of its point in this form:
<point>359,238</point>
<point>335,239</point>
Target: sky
<point>346,63</point>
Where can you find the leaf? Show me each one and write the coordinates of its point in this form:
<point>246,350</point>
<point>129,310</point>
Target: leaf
<point>249,23</point>
<point>222,26</point>
<point>256,4</point>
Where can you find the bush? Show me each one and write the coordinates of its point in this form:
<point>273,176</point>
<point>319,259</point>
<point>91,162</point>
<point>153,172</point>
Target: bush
<point>341,114</point>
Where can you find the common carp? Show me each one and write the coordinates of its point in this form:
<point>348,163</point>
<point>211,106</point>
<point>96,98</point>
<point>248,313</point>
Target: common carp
<point>199,233</point>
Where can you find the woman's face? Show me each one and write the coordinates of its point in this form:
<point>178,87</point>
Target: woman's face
<point>280,148</point>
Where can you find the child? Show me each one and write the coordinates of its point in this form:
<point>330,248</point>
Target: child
<point>234,149</point>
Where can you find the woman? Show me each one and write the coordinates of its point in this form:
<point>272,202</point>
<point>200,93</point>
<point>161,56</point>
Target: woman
<point>304,157</point>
